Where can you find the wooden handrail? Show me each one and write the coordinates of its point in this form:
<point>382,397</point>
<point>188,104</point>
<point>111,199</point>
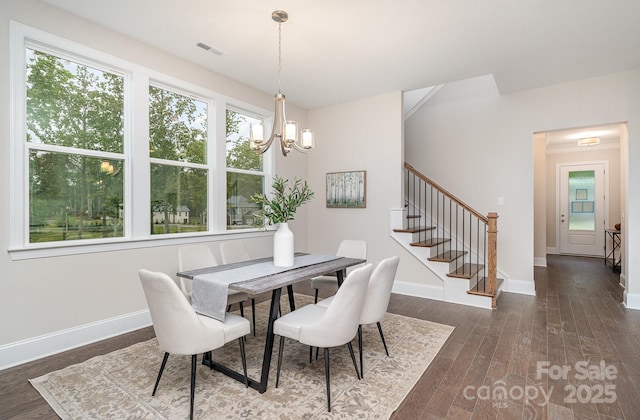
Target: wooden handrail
<point>447,193</point>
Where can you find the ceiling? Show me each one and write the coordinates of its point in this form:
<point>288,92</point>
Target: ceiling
<point>567,140</point>
<point>335,51</point>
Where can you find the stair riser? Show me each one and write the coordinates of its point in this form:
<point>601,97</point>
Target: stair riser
<point>418,236</point>
<point>439,249</point>
<point>455,263</point>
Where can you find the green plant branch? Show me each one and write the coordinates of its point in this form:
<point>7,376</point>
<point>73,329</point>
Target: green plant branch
<point>285,202</point>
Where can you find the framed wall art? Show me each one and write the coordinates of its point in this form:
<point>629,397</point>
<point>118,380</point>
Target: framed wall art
<point>347,189</point>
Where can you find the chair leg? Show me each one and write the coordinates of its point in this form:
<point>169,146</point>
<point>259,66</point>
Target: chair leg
<point>315,296</point>
<point>241,309</point>
<point>253,315</point>
<point>164,362</point>
<point>360,350</point>
<point>327,377</point>
<point>353,359</point>
<point>244,361</point>
<point>384,343</point>
<point>194,362</point>
<point>310,353</point>
<point>279,360</point>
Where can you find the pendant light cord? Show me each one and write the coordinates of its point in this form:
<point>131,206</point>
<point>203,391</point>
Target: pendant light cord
<point>279,55</point>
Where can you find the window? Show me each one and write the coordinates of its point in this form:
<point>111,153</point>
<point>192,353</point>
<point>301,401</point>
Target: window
<point>95,162</point>
<point>74,135</point>
<point>245,176</point>
<point>177,147</point>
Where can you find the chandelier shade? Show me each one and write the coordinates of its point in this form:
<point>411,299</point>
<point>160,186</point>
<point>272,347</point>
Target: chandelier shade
<point>285,131</point>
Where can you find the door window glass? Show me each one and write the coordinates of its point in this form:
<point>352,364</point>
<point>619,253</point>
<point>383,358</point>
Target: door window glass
<point>581,200</point>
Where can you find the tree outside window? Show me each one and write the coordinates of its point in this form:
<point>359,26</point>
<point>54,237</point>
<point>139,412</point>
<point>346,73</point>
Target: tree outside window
<point>75,140</point>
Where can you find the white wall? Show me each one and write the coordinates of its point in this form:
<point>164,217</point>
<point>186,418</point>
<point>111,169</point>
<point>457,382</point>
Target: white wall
<point>477,144</point>
<point>360,135</point>
<point>57,295</point>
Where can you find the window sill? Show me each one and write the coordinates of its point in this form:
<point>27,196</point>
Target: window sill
<point>66,249</point>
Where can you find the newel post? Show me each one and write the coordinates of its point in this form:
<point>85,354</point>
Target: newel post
<point>492,230</point>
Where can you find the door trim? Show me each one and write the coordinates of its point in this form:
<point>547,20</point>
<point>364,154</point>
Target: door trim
<point>606,195</point>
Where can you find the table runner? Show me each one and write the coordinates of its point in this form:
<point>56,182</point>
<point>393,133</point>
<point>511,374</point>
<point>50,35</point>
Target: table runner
<point>209,291</point>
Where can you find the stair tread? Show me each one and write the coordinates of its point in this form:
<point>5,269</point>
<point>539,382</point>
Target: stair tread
<point>465,271</point>
<point>414,229</point>
<point>448,256</point>
<point>428,243</point>
<point>480,287</point>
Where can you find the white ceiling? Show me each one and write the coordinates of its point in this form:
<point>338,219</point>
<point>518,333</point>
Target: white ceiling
<point>341,50</point>
<point>562,140</point>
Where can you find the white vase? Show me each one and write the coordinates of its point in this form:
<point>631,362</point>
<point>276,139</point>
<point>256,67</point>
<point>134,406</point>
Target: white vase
<point>283,246</point>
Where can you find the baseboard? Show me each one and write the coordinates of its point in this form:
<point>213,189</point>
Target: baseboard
<point>519,286</point>
<point>631,300</point>
<point>623,280</point>
<point>418,290</point>
<point>540,262</point>
<point>552,250</point>
<point>24,351</point>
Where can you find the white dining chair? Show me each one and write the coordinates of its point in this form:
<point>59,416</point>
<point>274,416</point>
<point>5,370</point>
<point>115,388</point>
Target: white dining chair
<point>326,327</point>
<point>376,301</point>
<point>351,248</point>
<point>180,330</point>
<point>236,251</point>
<point>192,257</point>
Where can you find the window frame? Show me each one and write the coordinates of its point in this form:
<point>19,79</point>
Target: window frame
<point>135,156</point>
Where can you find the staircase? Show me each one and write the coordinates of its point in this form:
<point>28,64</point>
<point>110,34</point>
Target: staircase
<point>454,241</point>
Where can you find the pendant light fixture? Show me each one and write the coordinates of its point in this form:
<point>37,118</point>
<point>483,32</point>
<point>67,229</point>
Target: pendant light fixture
<point>285,131</point>
<point>590,141</point>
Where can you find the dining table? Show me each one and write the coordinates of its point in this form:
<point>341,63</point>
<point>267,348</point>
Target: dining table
<point>258,276</point>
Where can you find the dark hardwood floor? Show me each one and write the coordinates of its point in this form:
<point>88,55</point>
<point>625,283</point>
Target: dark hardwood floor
<point>575,321</point>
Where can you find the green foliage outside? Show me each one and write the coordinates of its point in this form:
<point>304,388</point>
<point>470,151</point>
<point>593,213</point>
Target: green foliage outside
<point>75,196</point>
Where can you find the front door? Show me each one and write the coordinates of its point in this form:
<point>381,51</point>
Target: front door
<point>582,208</point>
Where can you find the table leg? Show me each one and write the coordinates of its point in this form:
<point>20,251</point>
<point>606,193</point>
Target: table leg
<point>292,303</point>
<point>340,275</point>
<point>268,345</point>
<point>261,386</point>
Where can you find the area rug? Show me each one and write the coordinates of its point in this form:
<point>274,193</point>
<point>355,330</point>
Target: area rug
<point>118,385</point>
